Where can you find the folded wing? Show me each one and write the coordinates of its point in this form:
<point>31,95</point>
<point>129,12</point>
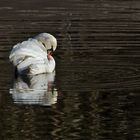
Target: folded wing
<point>28,53</point>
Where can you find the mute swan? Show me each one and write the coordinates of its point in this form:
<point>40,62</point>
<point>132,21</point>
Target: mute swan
<point>34,55</point>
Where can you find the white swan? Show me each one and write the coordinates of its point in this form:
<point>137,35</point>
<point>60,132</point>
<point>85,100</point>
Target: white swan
<point>34,55</point>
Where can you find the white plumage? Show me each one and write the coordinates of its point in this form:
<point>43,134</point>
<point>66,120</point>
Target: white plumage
<point>32,55</point>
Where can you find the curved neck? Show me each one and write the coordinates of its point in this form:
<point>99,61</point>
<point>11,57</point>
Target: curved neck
<point>42,46</point>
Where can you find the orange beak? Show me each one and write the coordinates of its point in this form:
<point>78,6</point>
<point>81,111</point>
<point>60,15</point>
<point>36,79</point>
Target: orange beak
<point>49,54</point>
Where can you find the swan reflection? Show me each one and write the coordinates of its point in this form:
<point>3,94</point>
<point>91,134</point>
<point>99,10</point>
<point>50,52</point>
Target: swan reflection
<point>37,89</point>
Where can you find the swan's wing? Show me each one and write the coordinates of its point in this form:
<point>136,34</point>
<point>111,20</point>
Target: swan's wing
<point>27,49</point>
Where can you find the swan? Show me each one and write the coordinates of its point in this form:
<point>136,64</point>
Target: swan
<point>34,55</point>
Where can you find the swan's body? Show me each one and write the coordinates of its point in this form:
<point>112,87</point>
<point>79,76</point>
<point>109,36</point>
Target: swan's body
<point>32,55</point>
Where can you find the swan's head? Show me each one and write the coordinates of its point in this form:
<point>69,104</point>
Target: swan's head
<point>48,41</point>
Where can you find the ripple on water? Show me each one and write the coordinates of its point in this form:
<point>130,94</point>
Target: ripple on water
<point>95,92</point>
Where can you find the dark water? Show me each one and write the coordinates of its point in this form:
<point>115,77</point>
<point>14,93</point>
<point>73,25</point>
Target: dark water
<point>94,93</point>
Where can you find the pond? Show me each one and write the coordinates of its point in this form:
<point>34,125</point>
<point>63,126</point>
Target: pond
<point>94,92</point>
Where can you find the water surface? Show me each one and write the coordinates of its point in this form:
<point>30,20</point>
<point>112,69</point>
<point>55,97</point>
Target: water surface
<point>94,93</point>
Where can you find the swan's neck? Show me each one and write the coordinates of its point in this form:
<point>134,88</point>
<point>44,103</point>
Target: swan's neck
<point>42,46</point>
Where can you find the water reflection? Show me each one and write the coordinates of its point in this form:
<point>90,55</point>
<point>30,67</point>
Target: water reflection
<point>37,89</point>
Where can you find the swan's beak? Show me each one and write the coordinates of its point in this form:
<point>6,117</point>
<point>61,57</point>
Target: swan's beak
<point>49,54</point>
<point>50,51</point>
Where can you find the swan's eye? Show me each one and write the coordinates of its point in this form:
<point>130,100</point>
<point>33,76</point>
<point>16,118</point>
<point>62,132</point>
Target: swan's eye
<point>43,44</point>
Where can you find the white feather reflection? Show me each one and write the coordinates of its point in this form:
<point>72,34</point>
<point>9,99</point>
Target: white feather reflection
<point>38,89</point>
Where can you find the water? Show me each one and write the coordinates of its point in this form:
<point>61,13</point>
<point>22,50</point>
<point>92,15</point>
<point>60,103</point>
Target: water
<point>94,93</point>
